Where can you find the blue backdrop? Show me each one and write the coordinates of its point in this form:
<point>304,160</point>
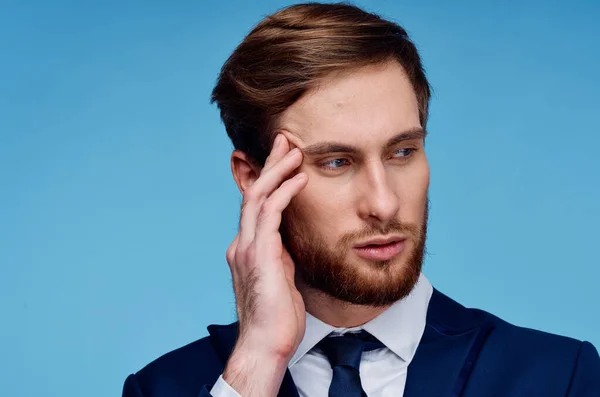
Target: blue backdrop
<point>117,202</point>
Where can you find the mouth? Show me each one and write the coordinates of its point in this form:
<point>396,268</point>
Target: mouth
<point>381,251</point>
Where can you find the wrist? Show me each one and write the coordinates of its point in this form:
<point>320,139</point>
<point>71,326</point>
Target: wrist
<point>253,371</point>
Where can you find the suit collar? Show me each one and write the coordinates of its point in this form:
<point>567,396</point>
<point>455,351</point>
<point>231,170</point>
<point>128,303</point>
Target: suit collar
<point>450,317</point>
<point>452,340</point>
<point>400,327</point>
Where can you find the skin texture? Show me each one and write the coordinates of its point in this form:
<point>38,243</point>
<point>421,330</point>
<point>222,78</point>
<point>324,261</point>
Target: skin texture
<point>336,200</point>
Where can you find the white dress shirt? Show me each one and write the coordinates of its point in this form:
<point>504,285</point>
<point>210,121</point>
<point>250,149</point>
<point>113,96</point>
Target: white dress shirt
<point>382,371</point>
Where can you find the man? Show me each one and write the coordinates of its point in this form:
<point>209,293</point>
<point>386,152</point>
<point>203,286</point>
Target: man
<point>326,106</point>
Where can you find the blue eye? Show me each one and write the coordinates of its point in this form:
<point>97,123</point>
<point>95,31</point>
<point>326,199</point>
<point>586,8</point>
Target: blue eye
<point>405,152</point>
<point>334,164</point>
<point>339,163</point>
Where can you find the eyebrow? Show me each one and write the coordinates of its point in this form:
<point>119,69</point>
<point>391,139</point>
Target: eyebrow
<point>321,148</point>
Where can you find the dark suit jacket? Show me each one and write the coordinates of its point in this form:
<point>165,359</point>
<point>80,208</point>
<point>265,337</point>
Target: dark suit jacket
<point>463,352</point>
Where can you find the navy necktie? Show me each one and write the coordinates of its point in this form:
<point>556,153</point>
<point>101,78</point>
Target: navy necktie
<point>344,354</point>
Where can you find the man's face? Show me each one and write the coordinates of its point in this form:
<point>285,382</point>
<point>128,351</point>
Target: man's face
<point>368,177</point>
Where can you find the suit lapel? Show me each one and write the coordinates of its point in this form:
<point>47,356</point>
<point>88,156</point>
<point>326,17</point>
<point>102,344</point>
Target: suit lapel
<point>223,339</point>
<point>452,340</point>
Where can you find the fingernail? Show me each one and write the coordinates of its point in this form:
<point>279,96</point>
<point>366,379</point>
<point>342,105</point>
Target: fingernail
<point>294,152</point>
<point>277,141</point>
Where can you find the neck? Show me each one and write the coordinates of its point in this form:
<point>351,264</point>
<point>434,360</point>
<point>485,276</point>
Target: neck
<point>335,312</point>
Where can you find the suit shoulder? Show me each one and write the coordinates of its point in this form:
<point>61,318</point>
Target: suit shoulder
<point>530,338</point>
<point>536,355</point>
<point>449,316</point>
<point>197,352</point>
<point>181,371</point>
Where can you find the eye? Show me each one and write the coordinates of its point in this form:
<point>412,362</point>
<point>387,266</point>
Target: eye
<point>337,164</point>
<point>334,164</point>
<point>404,152</point>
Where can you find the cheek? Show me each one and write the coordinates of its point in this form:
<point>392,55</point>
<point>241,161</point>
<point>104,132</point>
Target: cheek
<point>322,204</point>
<point>321,196</point>
<point>421,181</point>
<point>412,191</point>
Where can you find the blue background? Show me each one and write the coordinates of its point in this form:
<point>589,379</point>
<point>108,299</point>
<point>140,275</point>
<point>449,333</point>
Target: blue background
<point>117,202</point>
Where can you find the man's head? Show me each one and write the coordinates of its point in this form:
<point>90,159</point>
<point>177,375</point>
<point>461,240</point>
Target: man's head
<point>348,88</point>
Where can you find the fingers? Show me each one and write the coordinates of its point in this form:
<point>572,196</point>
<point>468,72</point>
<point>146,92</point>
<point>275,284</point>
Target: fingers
<point>269,217</point>
<point>275,176</point>
<point>269,180</point>
<point>280,148</point>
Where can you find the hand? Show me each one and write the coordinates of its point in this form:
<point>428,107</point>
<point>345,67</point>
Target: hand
<point>270,309</point>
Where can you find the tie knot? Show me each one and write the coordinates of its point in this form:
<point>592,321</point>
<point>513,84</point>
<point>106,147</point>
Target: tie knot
<point>347,350</point>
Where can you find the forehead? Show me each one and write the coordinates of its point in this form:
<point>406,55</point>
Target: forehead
<point>368,105</point>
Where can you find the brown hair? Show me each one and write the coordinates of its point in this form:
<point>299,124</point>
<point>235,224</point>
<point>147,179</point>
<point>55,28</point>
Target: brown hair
<point>287,54</point>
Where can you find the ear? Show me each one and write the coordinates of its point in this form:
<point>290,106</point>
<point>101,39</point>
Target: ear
<point>244,171</point>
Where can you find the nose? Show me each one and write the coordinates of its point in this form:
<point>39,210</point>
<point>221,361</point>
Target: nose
<point>379,201</point>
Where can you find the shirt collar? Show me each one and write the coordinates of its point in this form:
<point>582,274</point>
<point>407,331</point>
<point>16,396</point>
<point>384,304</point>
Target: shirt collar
<point>400,327</point>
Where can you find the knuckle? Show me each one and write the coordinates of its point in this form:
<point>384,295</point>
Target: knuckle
<point>230,255</point>
<point>231,250</point>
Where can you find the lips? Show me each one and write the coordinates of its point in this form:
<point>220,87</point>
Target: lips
<point>380,252</point>
<point>381,241</point>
